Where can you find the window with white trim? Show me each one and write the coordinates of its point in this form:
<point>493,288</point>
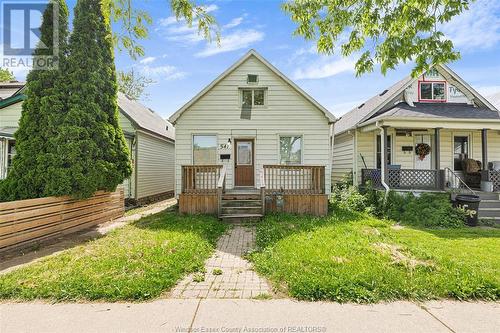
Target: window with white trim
<point>253,97</point>
<point>432,91</point>
<point>204,149</point>
<point>291,150</point>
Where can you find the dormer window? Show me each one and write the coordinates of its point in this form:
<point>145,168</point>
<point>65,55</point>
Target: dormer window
<point>253,97</point>
<point>252,79</point>
<point>432,91</point>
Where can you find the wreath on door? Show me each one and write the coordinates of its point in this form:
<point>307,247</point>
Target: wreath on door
<point>422,150</point>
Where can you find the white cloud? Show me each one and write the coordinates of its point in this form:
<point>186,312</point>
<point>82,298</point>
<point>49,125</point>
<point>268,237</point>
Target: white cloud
<point>237,40</point>
<point>479,27</point>
<point>165,72</point>
<point>147,60</point>
<point>323,69</point>
<point>233,23</point>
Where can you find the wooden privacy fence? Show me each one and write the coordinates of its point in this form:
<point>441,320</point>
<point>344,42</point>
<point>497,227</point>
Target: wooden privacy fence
<point>27,221</point>
<point>295,179</point>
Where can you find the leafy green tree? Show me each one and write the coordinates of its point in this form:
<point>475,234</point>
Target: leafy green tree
<point>134,84</point>
<point>6,75</point>
<point>90,143</point>
<point>385,32</point>
<point>134,22</point>
<point>32,166</point>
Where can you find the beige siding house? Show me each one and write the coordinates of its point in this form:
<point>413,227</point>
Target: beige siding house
<point>150,140</point>
<point>433,132</point>
<point>256,129</point>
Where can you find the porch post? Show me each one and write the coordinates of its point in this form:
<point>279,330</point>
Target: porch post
<point>484,137</point>
<point>437,148</point>
<point>384,164</point>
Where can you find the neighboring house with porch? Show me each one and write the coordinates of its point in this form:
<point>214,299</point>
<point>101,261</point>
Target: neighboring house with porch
<point>150,139</point>
<point>252,141</point>
<point>433,132</point>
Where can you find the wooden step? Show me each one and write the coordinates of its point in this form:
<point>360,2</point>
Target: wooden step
<point>489,212</point>
<point>241,203</point>
<point>241,196</point>
<point>240,218</point>
<point>241,210</point>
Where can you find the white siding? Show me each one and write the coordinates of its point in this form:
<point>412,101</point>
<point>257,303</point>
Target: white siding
<point>287,113</point>
<point>343,153</point>
<point>125,124</point>
<point>155,165</point>
<point>10,115</point>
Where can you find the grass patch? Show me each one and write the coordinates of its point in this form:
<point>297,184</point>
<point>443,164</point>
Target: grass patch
<point>353,257</point>
<point>137,262</point>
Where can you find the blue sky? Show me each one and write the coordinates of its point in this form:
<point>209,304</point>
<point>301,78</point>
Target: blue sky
<point>182,63</point>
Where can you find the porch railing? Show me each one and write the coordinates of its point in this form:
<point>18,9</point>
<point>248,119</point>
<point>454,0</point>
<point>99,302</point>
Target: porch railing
<point>198,179</point>
<point>294,179</point>
<point>405,179</point>
<point>494,177</point>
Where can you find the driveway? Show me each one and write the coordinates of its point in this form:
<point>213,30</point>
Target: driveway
<point>217,315</point>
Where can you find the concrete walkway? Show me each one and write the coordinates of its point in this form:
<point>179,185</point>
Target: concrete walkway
<point>227,273</point>
<point>249,316</point>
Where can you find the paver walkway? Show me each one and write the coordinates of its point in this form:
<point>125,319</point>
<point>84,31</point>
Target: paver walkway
<point>236,278</point>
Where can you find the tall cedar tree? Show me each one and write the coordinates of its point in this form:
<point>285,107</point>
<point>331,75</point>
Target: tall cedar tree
<point>90,142</point>
<point>42,110</point>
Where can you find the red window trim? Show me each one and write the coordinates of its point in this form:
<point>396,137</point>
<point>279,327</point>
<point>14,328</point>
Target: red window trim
<point>434,100</point>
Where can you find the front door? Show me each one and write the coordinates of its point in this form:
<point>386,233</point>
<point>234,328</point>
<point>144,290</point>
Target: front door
<point>244,163</point>
<point>423,162</point>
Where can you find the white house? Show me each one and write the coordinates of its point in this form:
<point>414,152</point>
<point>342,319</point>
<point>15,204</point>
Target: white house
<point>253,128</point>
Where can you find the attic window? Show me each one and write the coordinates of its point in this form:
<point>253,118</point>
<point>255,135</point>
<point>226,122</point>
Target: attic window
<point>252,78</point>
<point>383,92</point>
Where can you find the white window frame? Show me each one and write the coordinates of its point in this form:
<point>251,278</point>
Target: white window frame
<point>216,146</point>
<point>253,96</point>
<point>301,147</point>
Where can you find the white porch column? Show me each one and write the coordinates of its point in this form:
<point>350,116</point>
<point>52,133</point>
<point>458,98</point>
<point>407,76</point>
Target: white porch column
<point>384,165</point>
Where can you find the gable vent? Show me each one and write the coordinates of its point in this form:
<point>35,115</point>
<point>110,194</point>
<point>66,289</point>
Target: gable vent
<point>383,92</point>
<point>252,78</point>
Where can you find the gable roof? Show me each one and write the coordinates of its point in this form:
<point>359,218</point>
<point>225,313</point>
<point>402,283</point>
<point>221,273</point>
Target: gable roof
<point>251,53</point>
<point>145,118</point>
<point>370,108</point>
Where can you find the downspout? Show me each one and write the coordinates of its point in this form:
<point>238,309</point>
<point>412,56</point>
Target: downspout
<point>383,139</point>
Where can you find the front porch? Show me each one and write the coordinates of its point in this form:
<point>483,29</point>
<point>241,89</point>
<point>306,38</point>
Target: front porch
<point>296,189</point>
<point>411,156</point>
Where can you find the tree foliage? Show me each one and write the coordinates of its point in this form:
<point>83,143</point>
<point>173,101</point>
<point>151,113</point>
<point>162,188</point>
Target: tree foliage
<point>43,109</point>
<point>134,22</point>
<point>385,32</point>
<point>6,75</point>
<point>90,142</point>
<point>134,84</point>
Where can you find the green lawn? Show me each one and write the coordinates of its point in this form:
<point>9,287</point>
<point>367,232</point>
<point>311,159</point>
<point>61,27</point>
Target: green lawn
<point>137,262</point>
<point>350,257</point>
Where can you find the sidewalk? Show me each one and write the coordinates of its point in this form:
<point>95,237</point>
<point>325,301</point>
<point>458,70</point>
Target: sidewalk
<point>249,316</point>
